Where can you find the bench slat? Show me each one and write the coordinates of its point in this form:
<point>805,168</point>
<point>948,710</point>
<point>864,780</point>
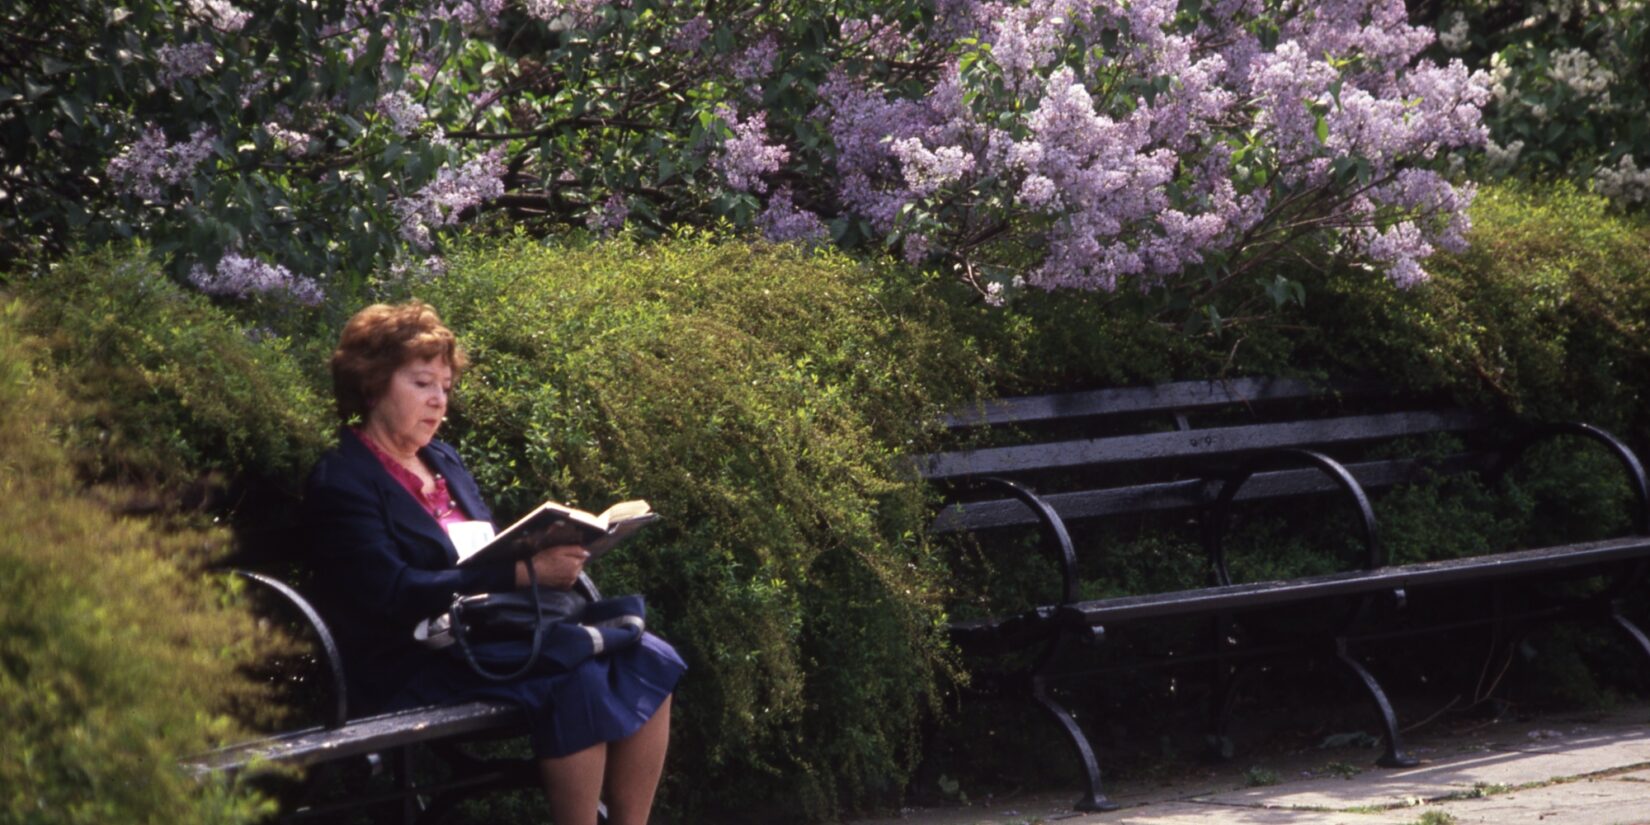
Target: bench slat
<point>1182,396</point>
<point>1188,493</point>
<point>1211,442</point>
<point>1261,594</point>
<point>362,736</point>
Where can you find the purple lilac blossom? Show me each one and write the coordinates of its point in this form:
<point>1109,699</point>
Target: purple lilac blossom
<point>876,36</point>
<point>237,276</point>
<point>608,218</point>
<point>150,164</point>
<point>747,156</point>
<point>184,61</point>
<point>783,222</point>
<point>757,61</point>
<point>403,113</point>
<point>691,35</point>
<point>926,171</point>
<point>440,202</point>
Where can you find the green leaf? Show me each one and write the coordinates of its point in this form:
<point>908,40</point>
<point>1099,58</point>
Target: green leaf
<point>72,108</point>
<point>52,66</point>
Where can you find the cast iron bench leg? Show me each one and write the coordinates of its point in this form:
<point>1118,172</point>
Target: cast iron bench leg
<point>1228,689</point>
<point>410,805</point>
<point>1394,756</point>
<point>1095,799</point>
<point>1627,626</point>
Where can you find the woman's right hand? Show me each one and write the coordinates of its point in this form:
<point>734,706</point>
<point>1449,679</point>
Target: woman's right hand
<point>557,566</point>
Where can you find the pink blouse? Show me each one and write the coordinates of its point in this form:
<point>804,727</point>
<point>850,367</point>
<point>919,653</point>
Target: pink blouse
<point>438,503</point>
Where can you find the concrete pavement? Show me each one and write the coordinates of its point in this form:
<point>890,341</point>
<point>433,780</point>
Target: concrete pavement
<point>1563,769</point>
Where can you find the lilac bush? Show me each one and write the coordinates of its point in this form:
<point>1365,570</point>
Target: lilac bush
<point>1145,141</point>
<point>1567,94</point>
<point>1089,144</point>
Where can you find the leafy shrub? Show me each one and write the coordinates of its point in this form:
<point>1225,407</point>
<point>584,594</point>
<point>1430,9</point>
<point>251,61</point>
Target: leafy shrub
<point>164,386</point>
<point>112,656</point>
<point>763,400</point>
<point>1547,314</point>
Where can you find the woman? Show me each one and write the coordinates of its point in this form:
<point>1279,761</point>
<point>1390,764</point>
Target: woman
<point>380,506</point>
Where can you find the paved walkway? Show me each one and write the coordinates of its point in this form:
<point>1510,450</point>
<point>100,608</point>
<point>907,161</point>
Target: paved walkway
<point>1570,769</point>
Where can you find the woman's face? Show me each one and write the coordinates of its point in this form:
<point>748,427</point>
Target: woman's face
<point>414,403</point>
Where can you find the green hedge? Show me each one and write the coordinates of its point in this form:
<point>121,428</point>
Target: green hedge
<point>1547,314</point>
<point>167,390</point>
<point>113,657</point>
<point>763,399</point>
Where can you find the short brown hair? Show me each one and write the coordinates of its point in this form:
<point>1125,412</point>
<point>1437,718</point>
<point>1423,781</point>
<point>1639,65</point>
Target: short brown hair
<point>377,342</point>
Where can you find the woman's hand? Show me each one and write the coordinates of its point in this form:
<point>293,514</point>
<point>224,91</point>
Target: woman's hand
<point>557,566</point>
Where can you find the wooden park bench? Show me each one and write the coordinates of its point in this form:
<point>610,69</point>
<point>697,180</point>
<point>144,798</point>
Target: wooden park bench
<point>368,746</point>
<point>1203,447</point>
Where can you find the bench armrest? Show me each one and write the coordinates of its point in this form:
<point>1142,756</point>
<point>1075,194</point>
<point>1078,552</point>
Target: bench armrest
<point>1624,454</point>
<point>1053,530</point>
<point>329,646</point>
<point>1214,526</point>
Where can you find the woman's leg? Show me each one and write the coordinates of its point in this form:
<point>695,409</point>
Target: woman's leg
<point>633,768</point>
<point>573,784</point>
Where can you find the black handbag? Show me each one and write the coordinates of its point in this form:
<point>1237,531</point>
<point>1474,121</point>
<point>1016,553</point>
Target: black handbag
<point>502,636</point>
<point>528,614</point>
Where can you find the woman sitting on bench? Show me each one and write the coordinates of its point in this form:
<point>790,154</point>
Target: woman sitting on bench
<point>380,505</point>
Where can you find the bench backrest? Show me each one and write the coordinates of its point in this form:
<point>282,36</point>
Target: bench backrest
<point>1241,418</point>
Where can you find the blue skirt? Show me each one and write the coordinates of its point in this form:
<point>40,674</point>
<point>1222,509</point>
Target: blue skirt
<point>602,699</point>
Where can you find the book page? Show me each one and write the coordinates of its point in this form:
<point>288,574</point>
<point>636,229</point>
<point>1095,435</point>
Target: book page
<point>625,510</point>
<point>470,536</point>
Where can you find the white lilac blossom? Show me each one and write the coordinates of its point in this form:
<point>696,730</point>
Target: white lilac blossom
<point>747,156</point>
<point>150,165</point>
<point>1142,187</point>
<point>1502,158</point>
<point>783,222</point>
<point>403,113</point>
<point>294,143</point>
<point>1624,182</point>
<point>237,276</point>
<point>1578,70</point>
<point>578,13</point>
<point>431,267</point>
<point>184,61</point>
<point>219,14</point>
<point>1458,36</point>
<point>1565,10</point>
<point>440,202</point>
<point>1503,81</point>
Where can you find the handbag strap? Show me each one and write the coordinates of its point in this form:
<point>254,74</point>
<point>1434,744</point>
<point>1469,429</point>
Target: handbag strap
<point>459,634</point>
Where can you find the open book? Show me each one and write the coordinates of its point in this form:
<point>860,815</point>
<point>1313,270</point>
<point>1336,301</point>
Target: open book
<point>552,523</point>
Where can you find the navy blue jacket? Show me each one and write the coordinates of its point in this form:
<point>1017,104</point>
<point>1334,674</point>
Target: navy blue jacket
<point>383,563</point>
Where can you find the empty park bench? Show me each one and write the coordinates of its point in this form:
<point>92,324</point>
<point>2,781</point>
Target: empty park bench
<point>1199,448</point>
<point>368,746</point>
